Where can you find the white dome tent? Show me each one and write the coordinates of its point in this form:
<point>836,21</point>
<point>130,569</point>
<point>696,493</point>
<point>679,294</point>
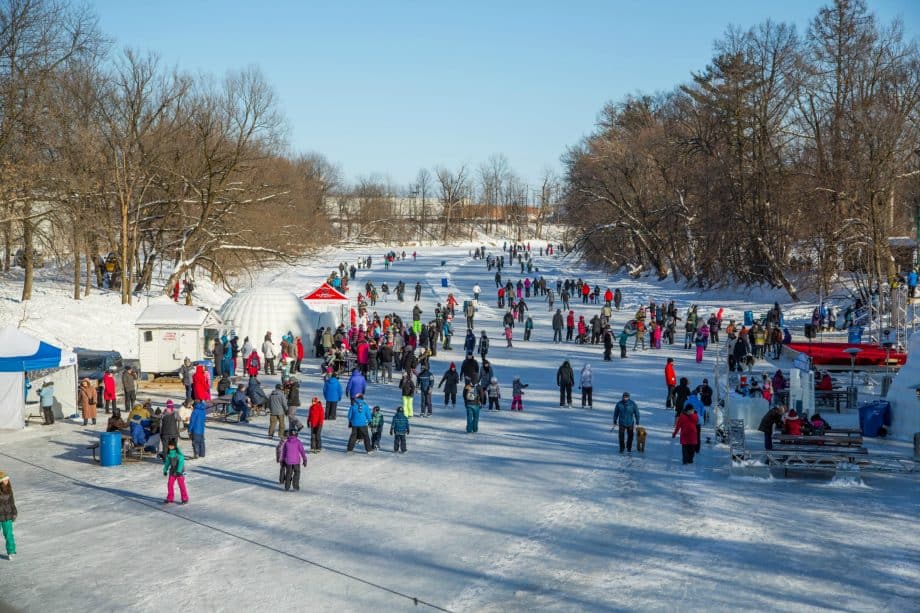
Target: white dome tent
<point>258,310</point>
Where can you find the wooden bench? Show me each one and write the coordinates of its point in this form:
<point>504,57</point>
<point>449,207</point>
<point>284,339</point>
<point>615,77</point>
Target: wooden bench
<point>796,457</point>
<point>828,439</point>
<point>831,398</point>
<point>218,409</point>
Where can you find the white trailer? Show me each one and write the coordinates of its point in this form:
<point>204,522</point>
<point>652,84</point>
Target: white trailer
<point>169,333</point>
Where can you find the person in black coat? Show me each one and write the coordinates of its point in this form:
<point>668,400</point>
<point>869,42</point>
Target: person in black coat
<point>681,393</point>
<point>772,419</point>
<point>470,369</point>
<point>450,379</point>
<point>565,380</point>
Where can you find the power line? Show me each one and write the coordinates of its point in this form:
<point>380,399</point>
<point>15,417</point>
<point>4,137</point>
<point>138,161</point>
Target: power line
<point>415,600</point>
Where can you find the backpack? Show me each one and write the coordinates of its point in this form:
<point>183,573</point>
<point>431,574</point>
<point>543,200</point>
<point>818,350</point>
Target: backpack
<point>470,395</point>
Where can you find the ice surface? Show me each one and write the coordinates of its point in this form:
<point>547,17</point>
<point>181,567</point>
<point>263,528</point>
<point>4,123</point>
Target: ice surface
<point>537,512</point>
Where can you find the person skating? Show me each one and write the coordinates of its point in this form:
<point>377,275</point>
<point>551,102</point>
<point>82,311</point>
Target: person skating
<point>670,379</point>
<point>483,346</point>
<point>196,428</point>
<point>517,394</point>
<point>359,416</point>
<point>268,351</point>
<point>626,418</point>
<point>681,393</point>
<point>494,393</point>
<point>557,326</point>
<point>587,387</point>
<point>565,380</point>
<point>376,427</point>
<point>469,369</point>
<point>407,389</point>
<point>450,380</point>
<point>291,455</point>
<point>332,394</point>
<point>425,390</point>
<point>686,426</point>
<point>174,467</point>
<point>473,403</point>
<point>528,328</point>
<point>399,430</point>
<point>315,419</point>
<point>8,514</point>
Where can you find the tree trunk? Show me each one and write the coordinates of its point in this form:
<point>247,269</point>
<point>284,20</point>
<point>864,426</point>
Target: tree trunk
<point>75,249</point>
<point>7,245</point>
<point>27,255</point>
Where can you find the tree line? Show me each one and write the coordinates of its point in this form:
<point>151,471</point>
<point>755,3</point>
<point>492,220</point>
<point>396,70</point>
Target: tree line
<point>788,160</point>
<point>109,156</point>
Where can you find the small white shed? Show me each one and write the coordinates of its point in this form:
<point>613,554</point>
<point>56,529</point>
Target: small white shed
<point>168,333</point>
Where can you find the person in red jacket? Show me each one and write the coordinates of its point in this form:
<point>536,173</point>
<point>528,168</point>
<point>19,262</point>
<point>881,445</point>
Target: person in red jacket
<point>253,364</point>
<point>108,390</point>
<point>582,329</point>
<point>585,292</point>
<point>686,425</point>
<point>201,390</point>
<point>608,297</point>
<point>363,356</point>
<point>670,379</point>
<point>298,346</point>
<point>315,420</point>
<point>792,424</point>
<point>569,325</point>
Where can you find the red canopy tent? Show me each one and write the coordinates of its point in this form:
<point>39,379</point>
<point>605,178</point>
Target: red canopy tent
<point>327,299</point>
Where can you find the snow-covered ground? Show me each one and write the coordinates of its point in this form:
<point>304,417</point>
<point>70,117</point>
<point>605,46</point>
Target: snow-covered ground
<point>535,512</point>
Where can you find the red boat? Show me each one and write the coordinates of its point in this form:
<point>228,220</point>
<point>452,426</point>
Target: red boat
<point>833,354</point>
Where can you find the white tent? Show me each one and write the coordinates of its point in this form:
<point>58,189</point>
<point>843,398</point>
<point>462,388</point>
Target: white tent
<point>21,354</point>
<point>258,310</point>
<point>905,403</point>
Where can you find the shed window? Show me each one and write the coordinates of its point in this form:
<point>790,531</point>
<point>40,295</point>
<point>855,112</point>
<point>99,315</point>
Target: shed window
<point>148,336</point>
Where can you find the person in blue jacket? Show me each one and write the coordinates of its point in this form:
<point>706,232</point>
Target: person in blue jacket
<point>357,384</point>
<point>626,417</point>
<point>332,394</point>
<point>469,344</point>
<point>196,428</point>
<point>239,404</point>
<point>359,416</point>
<point>138,435</point>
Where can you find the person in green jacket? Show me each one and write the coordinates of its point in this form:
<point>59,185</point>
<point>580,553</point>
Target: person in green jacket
<point>174,467</point>
<point>376,427</point>
<point>7,514</point>
<point>528,328</point>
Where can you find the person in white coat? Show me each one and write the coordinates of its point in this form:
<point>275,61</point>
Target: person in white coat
<point>586,387</point>
<point>268,351</point>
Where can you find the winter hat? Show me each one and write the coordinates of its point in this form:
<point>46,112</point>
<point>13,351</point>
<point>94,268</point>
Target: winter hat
<point>494,380</point>
<point>376,408</point>
<point>792,413</point>
<point>452,365</point>
<point>625,395</point>
<point>170,407</point>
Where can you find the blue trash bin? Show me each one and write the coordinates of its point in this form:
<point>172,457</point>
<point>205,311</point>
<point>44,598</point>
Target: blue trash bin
<point>110,448</point>
<point>748,318</point>
<point>854,334</point>
<point>873,416</point>
<point>445,281</point>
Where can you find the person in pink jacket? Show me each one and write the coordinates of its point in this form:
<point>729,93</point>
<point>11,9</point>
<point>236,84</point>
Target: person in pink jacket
<point>686,426</point>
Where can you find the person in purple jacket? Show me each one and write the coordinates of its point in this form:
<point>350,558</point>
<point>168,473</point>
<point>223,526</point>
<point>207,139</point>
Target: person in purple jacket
<point>357,384</point>
<point>291,454</point>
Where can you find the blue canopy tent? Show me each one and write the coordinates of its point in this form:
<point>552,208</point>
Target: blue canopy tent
<point>21,353</point>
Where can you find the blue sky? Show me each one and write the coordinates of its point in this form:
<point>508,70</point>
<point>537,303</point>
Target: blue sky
<point>390,87</point>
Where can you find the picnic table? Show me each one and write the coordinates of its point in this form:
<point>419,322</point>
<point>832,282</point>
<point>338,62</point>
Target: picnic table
<point>819,452</point>
<point>823,398</point>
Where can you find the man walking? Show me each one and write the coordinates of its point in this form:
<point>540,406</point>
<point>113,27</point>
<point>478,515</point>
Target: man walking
<point>626,416</point>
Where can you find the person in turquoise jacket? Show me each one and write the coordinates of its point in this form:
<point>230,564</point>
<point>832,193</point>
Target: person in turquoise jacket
<point>359,416</point>
<point>376,427</point>
<point>46,401</point>
<point>174,467</point>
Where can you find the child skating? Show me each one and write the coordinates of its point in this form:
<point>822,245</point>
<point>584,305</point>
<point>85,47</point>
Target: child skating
<point>174,467</point>
<point>399,429</point>
<point>7,514</point>
<point>517,394</point>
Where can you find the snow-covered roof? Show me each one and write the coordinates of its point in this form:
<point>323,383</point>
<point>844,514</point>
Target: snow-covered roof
<point>174,315</point>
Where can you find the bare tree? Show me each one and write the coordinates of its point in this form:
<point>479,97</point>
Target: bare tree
<point>454,187</point>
